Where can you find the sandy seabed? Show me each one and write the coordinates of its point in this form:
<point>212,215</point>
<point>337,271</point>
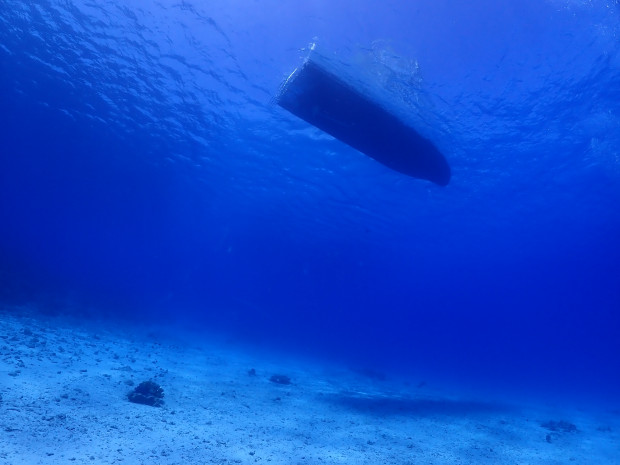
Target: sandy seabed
<point>64,388</point>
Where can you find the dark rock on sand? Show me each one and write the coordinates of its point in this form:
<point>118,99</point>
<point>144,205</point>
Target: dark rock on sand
<point>147,393</point>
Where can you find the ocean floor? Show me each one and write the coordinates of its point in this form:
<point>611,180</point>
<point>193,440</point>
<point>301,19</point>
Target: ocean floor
<point>65,386</point>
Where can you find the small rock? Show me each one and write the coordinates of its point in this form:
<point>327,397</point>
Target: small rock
<point>147,393</point>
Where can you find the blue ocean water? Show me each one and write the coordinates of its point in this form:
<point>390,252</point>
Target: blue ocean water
<point>147,175</point>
